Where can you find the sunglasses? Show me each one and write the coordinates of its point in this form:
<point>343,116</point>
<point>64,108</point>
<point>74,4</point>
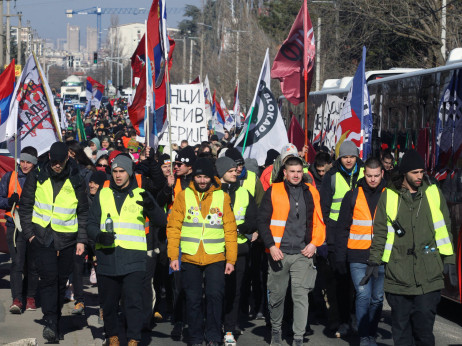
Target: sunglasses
<point>101,165</point>
<point>179,164</point>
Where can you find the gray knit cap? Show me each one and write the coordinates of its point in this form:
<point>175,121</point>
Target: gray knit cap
<point>348,148</point>
<point>224,164</point>
<point>123,162</point>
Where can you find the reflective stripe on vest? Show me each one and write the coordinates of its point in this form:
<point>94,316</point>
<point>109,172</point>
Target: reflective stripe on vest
<point>341,188</point>
<point>196,229</point>
<point>281,208</point>
<point>241,202</point>
<point>62,213</point>
<point>250,182</point>
<point>360,237</point>
<point>13,181</point>
<point>129,225</point>
<point>443,242</point>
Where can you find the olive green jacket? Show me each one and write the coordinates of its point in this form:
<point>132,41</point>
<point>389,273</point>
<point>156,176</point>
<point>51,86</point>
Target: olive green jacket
<point>410,271</point>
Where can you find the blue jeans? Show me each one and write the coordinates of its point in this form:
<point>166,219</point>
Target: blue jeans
<point>369,299</point>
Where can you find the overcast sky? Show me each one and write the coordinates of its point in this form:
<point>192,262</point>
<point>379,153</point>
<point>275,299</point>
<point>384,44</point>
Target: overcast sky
<point>48,17</point>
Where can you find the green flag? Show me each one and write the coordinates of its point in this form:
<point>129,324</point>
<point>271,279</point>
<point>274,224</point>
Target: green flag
<point>80,128</point>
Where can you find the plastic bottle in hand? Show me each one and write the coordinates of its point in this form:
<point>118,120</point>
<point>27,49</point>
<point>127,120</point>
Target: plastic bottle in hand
<point>109,224</point>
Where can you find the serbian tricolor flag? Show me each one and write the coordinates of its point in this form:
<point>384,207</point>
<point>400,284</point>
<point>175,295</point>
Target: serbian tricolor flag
<point>355,123</point>
<point>6,94</point>
<point>220,114</point>
<point>95,91</point>
<point>295,59</point>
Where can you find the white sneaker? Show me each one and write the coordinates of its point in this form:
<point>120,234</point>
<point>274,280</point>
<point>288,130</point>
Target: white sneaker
<point>229,339</point>
<point>93,280</point>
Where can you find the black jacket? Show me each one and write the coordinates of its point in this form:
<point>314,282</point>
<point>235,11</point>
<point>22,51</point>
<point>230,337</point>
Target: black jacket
<point>264,219</point>
<point>345,219</point>
<point>327,192</point>
<point>165,195</point>
<point>317,178</point>
<point>250,222</point>
<point>47,236</point>
<point>119,261</point>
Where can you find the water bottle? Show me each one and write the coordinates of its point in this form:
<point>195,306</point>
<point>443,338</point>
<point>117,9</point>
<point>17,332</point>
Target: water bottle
<point>109,224</point>
<point>426,250</point>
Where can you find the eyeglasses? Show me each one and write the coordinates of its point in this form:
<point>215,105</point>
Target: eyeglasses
<point>101,165</point>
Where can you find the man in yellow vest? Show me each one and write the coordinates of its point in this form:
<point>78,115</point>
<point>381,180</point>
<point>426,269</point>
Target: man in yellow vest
<point>203,224</point>
<point>19,248</point>
<point>245,212</point>
<point>341,178</point>
<point>352,243</point>
<point>53,212</point>
<point>291,225</point>
<point>412,235</point>
<point>117,225</point>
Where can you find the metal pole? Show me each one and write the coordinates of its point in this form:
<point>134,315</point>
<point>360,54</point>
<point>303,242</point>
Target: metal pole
<point>184,60</point>
<point>202,42</point>
<point>122,69</point>
<point>443,29</point>
<point>237,56</point>
<point>19,40</point>
<point>190,60</point>
<point>1,33</point>
<point>318,57</point>
<point>8,39</point>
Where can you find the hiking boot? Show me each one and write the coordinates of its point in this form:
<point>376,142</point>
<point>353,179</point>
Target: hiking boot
<point>100,317</point>
<point>49,334</point>
<point>177,331</point>
<point>276,339</point>
<point>132,342</point>
<point>298,342</point>
<point>229,339</point>
<point>16,307</point>
<point>30,304</point>
<point>364,341</point>
<point>372,341</point>
<point>343,330</point>
<point>79,309</point>
<point>114,341</point>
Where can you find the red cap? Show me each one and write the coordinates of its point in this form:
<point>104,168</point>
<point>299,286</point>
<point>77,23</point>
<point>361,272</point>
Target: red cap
<point>113,155</point>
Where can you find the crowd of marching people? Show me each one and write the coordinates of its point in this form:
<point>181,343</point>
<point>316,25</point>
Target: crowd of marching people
<point>204,238</point>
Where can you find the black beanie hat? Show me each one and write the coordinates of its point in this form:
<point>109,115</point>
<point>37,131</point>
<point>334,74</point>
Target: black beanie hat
<point>204,166</point>
<point>234,154</point>
<point>59,152</point>
<point>271,155</point>
<point>186,156</point>
<point>410,161</point>
<point>99,178</point>
<point>164,158</point>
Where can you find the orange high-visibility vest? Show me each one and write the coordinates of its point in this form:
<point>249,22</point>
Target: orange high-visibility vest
<point>13,181</point>
<point>281,208</point>
<point>138,181</point>
<point>361,228</point>
<point>176,190</point>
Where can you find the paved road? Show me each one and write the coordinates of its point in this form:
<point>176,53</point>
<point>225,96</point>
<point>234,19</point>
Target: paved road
<point>84,330</point>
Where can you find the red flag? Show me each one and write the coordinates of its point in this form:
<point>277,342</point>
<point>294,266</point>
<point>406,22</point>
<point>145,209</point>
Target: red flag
<point>136,111</point>
<point>296,136</point>
<point>138,60</point>
<point>197,80</point>
<point>295,58</point>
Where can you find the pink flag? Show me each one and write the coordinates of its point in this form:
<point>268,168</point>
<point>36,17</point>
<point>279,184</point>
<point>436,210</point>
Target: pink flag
<point>295,58</point>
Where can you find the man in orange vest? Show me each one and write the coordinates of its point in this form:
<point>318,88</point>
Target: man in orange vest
<point>291,225</point>
<point>10,191</point>
<point>352,243</point>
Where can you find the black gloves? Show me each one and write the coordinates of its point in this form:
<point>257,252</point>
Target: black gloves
<point>13,199</point>
<point>147,203</point>
<point>341,268</point>
<point>451,271</point>
<point>105,238</point>
<point>372,269</point>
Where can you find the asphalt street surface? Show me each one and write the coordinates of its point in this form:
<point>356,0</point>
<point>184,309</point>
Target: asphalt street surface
<point>85,330</point>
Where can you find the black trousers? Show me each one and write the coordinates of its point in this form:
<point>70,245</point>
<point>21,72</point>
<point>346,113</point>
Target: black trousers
<point>54,268</point>
<point>77,276</point>
<point>259,277</point>
<point>148,290</point>
<point>179,299</point>
<point>233,284</point>
<point>193,277</point>
<point>413,318</point>
<point>19,256</point>
<point>111,289</point>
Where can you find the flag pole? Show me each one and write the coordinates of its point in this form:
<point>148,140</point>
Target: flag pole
<point>146,118</point>
<point>247,130</point>
<point>306,113</point>
<point>169,115</point>
<point>53,116</point>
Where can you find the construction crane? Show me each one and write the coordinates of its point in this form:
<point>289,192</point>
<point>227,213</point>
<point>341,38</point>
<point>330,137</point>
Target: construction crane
<point>99,11</point>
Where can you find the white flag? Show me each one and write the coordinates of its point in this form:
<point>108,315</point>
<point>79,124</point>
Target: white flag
<point>263,128</point>
<point>64,122</point>
<point>33,111</point>
<point>237,106</point>
<point>229,120</point>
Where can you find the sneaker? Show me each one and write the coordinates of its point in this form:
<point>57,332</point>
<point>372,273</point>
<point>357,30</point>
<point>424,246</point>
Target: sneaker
<point>79,309</point>
<point>238,331</point>
<point>93,280</point>
<point>100,317</point>
<point>364,341</point>
<point>276,339</point>
<point>158,316</point>
<point>133,342</point>
<point>50,335</point>
<point>30,304</point>
<point>298,342</point>
<point>177,331</point>
<point>16,307</point>
<point>343,330</point>
<point>260,316</point>
<point>372,341</point>
<point>69,296</point>
<point>114,341</point>
<point>229,339</point>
